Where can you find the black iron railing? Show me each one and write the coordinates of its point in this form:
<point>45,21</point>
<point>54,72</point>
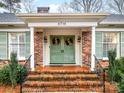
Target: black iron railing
<point>101,72</point>
<point>27,63</point>
<point>27,66</point>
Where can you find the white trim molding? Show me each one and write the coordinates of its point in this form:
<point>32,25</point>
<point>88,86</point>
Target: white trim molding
<point>110,29</point>
<point>62,24</point>
<point>93,49</point>
<point>14,30</point>
<point>107,23</point>
<point>32,48</point>
<point>12,23</point>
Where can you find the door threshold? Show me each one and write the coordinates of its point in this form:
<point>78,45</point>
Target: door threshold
<point>62,65</point>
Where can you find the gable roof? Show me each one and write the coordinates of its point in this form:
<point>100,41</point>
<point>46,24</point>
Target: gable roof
<point>9,18</point>
<point>113,19</point>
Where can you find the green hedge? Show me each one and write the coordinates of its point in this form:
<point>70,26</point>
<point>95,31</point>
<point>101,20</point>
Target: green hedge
<point>4,75</point>
<point>5,78</point>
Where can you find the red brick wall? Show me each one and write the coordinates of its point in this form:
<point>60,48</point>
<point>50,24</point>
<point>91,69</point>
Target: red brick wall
<point>38,48</point>
<point>86,47</point>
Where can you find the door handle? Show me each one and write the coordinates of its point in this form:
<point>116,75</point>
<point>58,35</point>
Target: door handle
<point>62,51</point>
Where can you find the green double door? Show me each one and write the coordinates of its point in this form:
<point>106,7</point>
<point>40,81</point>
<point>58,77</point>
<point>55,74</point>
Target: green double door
<point>62,49</point>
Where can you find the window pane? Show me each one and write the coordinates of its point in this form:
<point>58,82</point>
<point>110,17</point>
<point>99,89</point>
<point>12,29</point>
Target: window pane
<point>13,38</point>
<point>13,48</point>
<point>21,38</point>
<point>17,44</point>
<point>3,51</point>
<point>109,42</point>
<point>21,50</point>
<point>110,37</point>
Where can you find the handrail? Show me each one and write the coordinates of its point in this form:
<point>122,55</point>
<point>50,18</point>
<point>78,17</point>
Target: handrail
<point>27,66</point>
<point>100,70</point>
<point>26,62</point>
<point>97,63</point>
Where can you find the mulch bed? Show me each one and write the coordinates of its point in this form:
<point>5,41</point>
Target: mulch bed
<point>111,88</point>
<point>9,89</point>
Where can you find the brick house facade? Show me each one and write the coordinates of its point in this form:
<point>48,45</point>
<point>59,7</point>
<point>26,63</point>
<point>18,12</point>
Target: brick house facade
<point>61,39</point>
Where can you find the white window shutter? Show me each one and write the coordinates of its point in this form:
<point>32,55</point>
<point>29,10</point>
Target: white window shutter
<point>3,45</point>
<point>122,44</point>
<point>27,46</point>
<point>99,45</point>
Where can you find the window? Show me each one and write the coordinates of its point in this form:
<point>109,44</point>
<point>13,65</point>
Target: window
<point>110,41</point>
<point>17,44</point>
<point>3,45</point>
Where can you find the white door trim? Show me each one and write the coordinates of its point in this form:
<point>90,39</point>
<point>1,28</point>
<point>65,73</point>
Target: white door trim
<point>76,33</point>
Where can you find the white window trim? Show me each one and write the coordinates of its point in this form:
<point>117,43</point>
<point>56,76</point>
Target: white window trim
<point>18,52</point>
<point>105,58</point>
<point>118,45</point>
<point>15,30</point>
<point>110,29</point>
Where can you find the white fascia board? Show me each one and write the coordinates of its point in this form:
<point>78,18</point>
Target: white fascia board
<point>12,23</point>
<point>107,23</point>
<point>14,30</point>
<point>110,29</point>
<point>62,24</point>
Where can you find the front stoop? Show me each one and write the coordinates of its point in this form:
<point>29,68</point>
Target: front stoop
<point>62,81</point>
<point>66,92</point>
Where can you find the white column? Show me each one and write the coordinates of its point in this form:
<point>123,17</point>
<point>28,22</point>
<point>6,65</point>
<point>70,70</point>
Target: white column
<point>93,49</point>
<point>32,48</point>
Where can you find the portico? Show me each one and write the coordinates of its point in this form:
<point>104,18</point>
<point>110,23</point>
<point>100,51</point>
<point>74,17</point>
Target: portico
<point>50,35</point>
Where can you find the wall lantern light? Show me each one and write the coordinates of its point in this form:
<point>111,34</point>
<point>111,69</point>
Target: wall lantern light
<point>45,39</point>
<point>79,39</point>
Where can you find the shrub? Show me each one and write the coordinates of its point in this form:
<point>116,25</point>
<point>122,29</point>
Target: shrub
<point>116,70</point>
<point>119,64</point>
<point>12,73</point>
<point>112,66</point>
<point>13,69</point>
<point>4,75</point>
<point>21,73</point>
<point>121,85</point>
<point>5,78</point>
<point>120,75</point>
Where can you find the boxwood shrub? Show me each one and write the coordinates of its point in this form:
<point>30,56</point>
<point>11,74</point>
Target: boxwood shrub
<point>5,77</point>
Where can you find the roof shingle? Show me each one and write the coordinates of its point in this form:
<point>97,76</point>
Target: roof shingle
<point>9,17</point>
<point>113,19</point>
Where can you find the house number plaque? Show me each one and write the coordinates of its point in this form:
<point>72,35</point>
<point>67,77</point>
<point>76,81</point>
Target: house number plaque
<point>61,23</point>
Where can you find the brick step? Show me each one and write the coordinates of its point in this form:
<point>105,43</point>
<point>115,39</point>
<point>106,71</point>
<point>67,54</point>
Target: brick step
<point>61,89</point>
<point>54,80</point>
<point>61,83</point>
<point>62,72</point>
<point>61,77</point>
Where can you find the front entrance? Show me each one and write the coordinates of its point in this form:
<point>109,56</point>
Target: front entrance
<point>62,49</point>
